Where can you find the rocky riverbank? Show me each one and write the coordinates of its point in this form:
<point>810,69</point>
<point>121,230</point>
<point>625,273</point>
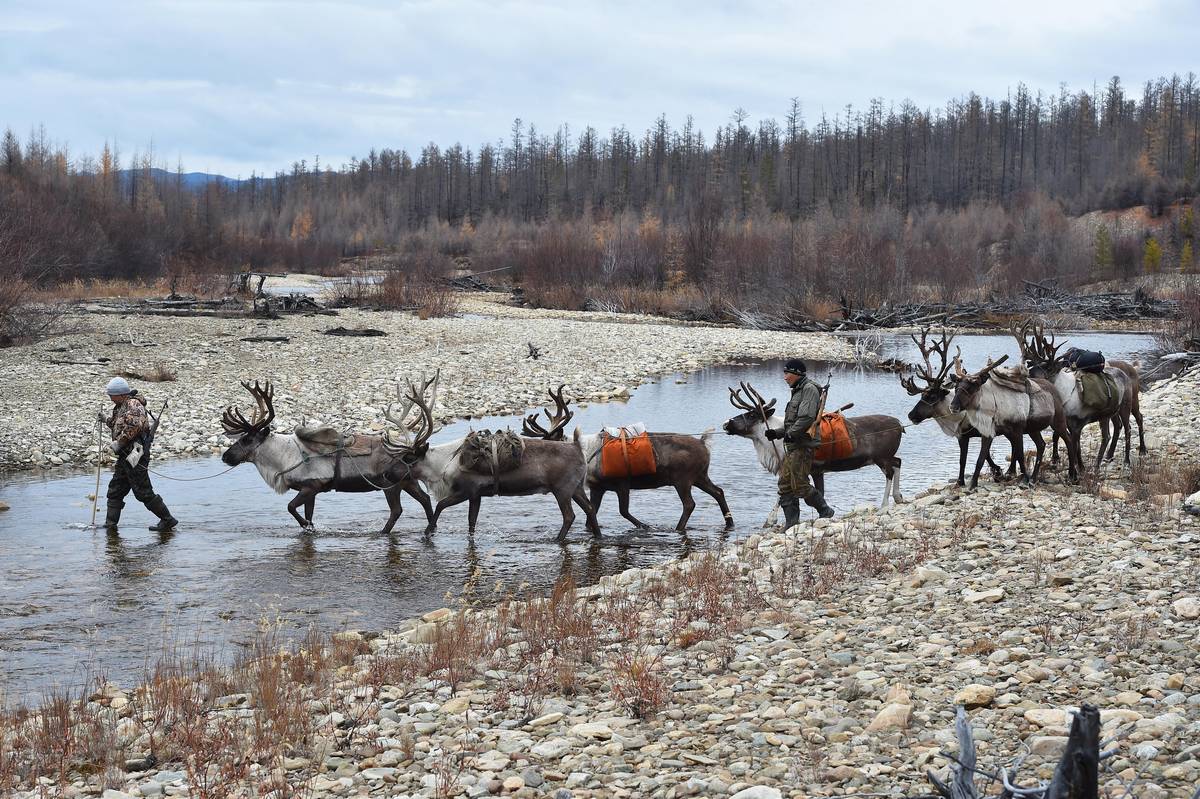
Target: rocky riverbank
<point>824,660</point>
<point>53,389</point>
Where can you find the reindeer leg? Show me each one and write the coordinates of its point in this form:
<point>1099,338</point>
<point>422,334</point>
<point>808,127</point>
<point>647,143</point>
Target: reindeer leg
<point>1128,441</point>
<point>1103,442</point>
<point>309,508</point>
<point>887,486</point>
<point>623,505</point>
<point>963,442</point>
<point>985,447</point>
<point>303,497</point>
<point>596,496</point>
<point>1070,432</point>
<point>773,516</point>
<point>1054,450</point>
<point>448,502</point>
<point>589,511</point>
<point>1137,414</point>
<point>414,490</point>
<point>564,505</point>
<point>473,512</point>
<point>392,495</point>
<point>1039,444</point>
<point>713,490</point>
<point>1018,456</point>
<point>685,496</point>
<point>897,497</point>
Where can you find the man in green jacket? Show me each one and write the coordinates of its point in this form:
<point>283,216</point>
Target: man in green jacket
<point>798,445</point>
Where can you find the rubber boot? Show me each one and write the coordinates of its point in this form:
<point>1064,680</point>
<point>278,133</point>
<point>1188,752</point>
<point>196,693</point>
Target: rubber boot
<point>791,511</point>
<point>112,518</point>
<point>816,501</point>
<point>165,520</point>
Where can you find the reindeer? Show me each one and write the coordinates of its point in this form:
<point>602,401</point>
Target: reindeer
<point>682,462</point>
<point>1040,353</point>
<point>876,439</point>
<point>995,409</point>
<point>547,467</point>
<point>289,462</point>
<point>934,402</point>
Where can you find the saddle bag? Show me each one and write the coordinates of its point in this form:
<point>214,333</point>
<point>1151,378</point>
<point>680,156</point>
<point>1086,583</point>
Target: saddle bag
<point>1088,361</point>
<point>835,439</point>
<point>625,455</point>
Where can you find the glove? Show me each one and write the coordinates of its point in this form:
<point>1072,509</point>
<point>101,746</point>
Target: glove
<point>101,418</point>
<point>774,434</point>
<point>115,447</point>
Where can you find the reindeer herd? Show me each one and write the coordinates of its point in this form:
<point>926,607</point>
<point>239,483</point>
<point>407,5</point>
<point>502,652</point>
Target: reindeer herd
<point>1039,393</point>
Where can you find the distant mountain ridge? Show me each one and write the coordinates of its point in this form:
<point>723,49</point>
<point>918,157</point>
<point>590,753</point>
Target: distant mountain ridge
<point>191,180</point>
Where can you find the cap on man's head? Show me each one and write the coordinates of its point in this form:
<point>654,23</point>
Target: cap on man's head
<point>795,366</point>
<point>116,387</point>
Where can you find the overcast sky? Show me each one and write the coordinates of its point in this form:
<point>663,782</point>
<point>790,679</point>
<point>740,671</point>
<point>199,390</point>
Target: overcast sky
<point>237,86</point>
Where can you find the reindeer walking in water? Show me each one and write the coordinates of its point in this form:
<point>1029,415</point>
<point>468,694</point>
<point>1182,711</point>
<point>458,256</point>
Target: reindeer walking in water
<point>546,467</point>
<point>935,398</point>
<point>311,461</point>
<point>682,462</point>
<point>1010,405</point>
<point>876,439</point>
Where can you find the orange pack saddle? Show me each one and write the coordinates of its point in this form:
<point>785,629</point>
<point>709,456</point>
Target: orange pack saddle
<point>835,439</point>
<point>627,454</point>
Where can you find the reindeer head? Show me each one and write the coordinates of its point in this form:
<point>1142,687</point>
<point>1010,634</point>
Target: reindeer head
<point>558,420</point>
<point>249,434</point>
<point>966,390</point>
<point>413,440</point>
<point>1038,351</point>
<point>937,385</point>
<point>756,410</point>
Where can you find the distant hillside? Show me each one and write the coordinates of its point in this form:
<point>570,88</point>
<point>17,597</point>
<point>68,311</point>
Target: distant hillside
<point>191,180</point>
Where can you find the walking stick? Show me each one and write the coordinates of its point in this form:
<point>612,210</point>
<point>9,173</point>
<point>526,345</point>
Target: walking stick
<point>99,457</point>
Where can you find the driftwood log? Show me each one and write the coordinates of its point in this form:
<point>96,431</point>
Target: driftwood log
<point>354,331</point>
<point>1077,775</point>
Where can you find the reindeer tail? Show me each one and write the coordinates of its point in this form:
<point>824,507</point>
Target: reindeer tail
<point>707,438</point>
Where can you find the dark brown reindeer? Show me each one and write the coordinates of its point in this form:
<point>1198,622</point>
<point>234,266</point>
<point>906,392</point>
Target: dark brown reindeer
<point>876,439</point>
<point>546,467</point>
<point>682,462</point>
<point>311,461</point>
<point>1040,352</point>
<point>935,396</point>
<point>1012,406</point>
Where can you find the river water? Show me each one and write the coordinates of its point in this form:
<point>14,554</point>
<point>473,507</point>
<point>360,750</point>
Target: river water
<point>76,604</point>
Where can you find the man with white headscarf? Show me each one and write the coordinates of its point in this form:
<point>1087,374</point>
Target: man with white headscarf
<point>131,432</point>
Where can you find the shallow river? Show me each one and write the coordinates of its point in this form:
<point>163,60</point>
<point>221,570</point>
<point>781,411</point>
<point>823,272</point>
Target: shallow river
<point>75,603</point>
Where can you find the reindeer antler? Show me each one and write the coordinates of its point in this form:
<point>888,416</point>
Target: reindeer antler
<point>933,377</point>
<point>558,420</point>
<point>422,427</point>
<point>235,422</point>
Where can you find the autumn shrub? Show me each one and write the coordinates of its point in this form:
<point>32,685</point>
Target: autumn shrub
<point>418,282</point>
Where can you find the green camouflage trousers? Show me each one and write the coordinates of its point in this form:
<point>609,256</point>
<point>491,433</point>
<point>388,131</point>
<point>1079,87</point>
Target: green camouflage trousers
<point>793,473</point>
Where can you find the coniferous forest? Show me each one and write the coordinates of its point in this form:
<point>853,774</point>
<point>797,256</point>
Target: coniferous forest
<point>886,202</point>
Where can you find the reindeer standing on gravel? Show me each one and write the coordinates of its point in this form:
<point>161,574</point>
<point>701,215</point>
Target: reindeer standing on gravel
<point>875,437</point>
<point>311,461</point>
<point>546,467</point>
<point>1011,405</point>
<point>682,462</point>
<point>1040,352</point>
<point>935,397</point>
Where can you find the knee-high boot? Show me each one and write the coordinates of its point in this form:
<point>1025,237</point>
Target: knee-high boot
<point>791,510</point>
<point>113,517</point>
<point>165,520</point>
<point>816,501</point>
